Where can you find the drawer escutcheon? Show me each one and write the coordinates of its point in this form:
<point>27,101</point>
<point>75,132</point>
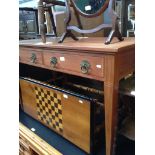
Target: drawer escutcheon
<point>33,58</point>
<point>85,66</point>
<point>53,62</point>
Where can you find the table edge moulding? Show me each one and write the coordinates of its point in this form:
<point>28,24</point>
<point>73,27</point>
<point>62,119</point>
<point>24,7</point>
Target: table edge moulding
<point>109,64</point>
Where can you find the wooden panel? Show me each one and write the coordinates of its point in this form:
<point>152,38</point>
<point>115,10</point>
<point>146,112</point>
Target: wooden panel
<point>71,62</point>
<point>24,148</point>
<point>76,121</point>
<point>36,106</point>
<point>49,107</point>
<point>28,98</point>
<point>35,143</point>
<point>26,54</point>
<point>91,44</point>
<point>73,122</point>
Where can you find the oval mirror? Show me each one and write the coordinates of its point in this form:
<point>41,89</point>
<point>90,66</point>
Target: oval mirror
<point>90,8</point>
<point>87,8</point>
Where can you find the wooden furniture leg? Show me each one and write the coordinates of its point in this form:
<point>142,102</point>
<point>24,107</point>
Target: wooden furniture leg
<point>110,37</point>
<point>67,33</point>
<point>78,20</point>
<point>41,20</point>
<point>52,21</point>
<point>111,86</point>
<point>114,32</point>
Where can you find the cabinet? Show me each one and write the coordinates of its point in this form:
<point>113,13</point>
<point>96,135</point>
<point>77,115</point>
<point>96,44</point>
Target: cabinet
<point>28,23</point>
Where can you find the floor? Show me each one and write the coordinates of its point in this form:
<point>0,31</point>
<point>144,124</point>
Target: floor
<point>124,146</point>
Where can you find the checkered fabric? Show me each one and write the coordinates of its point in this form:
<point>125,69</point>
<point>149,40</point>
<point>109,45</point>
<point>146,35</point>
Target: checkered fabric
<point>49,108</point>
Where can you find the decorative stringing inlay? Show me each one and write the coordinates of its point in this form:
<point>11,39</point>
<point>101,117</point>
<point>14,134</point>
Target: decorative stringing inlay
<point>49,108</point>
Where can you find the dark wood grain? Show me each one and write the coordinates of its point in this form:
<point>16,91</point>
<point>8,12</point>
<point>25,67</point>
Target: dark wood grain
<point>98,28</point>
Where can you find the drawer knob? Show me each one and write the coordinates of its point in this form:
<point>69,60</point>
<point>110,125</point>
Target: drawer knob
<point>85,66</point>
<point>33,58</point>
<point>53,62</point>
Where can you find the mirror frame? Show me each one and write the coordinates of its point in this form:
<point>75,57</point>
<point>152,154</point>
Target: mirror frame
<point>114,26</point>
<point>99,12</point>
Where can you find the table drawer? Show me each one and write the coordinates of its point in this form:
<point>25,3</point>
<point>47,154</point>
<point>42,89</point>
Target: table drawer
<point>30,57</point>
<point>84,64</point>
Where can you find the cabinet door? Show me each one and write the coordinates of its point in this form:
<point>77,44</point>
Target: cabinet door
<point>22,26</point>
<point>30,20</point>
<point>28,26</point>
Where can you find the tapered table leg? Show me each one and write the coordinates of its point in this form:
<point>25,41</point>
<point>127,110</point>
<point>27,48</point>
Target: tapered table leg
<point>111,85</point>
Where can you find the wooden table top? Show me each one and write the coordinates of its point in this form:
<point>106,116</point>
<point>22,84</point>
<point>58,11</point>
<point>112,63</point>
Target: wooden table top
<point>85,43</point>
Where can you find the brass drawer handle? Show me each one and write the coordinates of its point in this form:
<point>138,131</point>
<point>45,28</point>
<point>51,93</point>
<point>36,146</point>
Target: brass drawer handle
<point>53,62</point>
<point>85,66</point>
<point>33,58</point>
